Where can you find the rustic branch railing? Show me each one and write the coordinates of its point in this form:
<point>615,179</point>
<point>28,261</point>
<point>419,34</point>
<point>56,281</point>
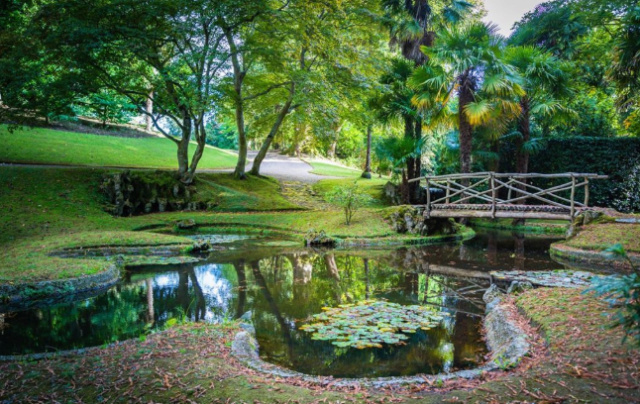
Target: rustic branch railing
<point>476,195</point>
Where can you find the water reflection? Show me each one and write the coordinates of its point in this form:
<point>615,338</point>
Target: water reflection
<point>278,290</point>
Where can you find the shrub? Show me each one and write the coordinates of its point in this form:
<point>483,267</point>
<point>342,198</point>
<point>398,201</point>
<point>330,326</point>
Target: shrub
<point>349,198</point>
<point>625,290</point>
<point>628,195</point>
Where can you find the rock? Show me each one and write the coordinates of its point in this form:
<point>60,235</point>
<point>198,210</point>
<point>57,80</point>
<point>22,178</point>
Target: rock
<point>132,193</point>
<point>318,239</point>
<point>392,192</point>
<point>517,287</point>
<point>186,224</point>
<point>492,297</point>
<point>506,340</point>
<point>366,175</point>
<point>245,346</point>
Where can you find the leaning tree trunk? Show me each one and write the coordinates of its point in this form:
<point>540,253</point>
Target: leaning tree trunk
<point>187,178</point>
<point>522,154</point>
<point>255,169</point>
<point>367,163</point>
<point>183,147</point>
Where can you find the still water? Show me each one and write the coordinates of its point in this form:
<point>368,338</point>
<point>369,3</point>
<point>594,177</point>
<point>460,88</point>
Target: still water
<point>278,286</point>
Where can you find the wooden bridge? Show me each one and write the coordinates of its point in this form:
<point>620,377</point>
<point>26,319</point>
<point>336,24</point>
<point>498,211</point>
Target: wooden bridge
<point>507,195</point>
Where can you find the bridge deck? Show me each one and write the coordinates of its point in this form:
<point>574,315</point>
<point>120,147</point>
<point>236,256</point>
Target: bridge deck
<point>501,211</point>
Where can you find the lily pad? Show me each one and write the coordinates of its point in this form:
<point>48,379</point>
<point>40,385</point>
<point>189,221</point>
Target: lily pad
<point>371,323</point>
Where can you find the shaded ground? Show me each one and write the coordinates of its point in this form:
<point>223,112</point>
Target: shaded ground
<point>585,362</point>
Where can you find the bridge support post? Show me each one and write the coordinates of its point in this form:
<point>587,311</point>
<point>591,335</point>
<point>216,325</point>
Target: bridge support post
<point>586,192</point>
<point>428,200</point>
<point>573,195</point>
<point>493,196</point>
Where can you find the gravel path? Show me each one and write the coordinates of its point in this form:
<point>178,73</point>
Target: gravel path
<point>283,168</point>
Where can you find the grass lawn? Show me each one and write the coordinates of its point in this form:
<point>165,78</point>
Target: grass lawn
<point>582,362</point>
<point>333,170</point>
<point>48,146</point>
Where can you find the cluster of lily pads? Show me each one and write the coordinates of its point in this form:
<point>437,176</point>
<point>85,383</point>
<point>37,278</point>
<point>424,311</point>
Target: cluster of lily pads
<point>371,323</point>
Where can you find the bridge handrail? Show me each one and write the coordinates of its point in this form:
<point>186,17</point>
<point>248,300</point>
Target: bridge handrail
<point>516,183</point>
<point>485,174</point>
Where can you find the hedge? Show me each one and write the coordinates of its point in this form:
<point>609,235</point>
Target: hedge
<point>615,157</point>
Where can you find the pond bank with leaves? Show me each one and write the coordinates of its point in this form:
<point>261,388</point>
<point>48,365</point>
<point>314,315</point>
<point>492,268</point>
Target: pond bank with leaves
<point>583,360</point>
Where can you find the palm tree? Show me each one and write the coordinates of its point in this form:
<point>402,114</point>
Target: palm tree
<point>412,23</point>
<point>468,61</point>
<point>396,105</point>
<point>544,81</point>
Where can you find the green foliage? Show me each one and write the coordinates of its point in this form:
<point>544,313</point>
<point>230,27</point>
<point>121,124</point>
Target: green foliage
<point>106,106</point>
<point>349,198</point>
<point>624,290</point>
<point>370,323</point>
<point>615,157</point>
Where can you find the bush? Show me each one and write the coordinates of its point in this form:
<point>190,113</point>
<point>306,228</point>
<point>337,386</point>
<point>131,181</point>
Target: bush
<point>349,198</point>
<point>628,195</point>
<point>624,289</point>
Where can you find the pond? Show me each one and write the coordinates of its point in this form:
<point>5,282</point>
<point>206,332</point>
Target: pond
<point>278,286</point>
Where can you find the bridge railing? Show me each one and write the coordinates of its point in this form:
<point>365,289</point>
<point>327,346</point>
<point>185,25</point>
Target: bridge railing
<point>487,190</point>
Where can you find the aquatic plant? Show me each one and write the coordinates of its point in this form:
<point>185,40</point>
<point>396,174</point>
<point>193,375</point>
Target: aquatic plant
<point>371,323</point>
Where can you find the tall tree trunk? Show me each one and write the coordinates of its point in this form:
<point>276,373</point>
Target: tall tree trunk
<point>367,162</point>
<point>255,169</point>
<point>464,127</point>
<point>331,152</point>
<point>407,173</point>
<point>238,77</point>
<point>149,109</point>
<point>522,155</point>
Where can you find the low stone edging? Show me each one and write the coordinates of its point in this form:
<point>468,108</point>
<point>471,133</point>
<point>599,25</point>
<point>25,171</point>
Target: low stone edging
<point>590,259</point>
<point>506,340</point>
<point>13,295</point>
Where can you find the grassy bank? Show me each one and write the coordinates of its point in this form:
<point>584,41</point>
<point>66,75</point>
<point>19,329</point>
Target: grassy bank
<point>46,209</point>
<point>584,362</point>
<point>600,236</point>
<point>48,146</point>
